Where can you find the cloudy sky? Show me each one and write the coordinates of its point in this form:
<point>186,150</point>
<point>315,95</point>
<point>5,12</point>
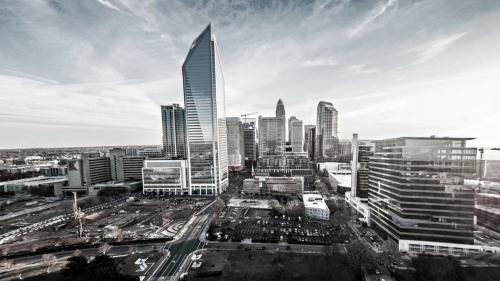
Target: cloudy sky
<point>94,72</point>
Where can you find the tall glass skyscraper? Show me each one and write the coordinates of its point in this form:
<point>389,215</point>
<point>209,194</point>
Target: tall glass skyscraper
<point>205,116</point>
<point>326,130</point>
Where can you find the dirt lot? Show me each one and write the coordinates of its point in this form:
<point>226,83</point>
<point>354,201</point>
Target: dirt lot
<point>134,220</point>
<point>252,265</point>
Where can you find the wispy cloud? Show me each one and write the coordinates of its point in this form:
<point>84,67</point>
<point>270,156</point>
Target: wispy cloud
<point>373,15</point>
<point>361,69</point>
<point>79,69</point>
<point>428,51</point>
<point>108,4</point>
<point>328,61</point>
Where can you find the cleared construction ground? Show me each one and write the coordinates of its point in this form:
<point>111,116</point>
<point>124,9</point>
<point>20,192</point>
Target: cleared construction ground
<point>103,220</point>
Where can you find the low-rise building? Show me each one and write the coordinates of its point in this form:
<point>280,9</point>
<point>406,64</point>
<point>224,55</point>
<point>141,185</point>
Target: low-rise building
<point>40,185</point>
<point>283,165</point>
<point>274,186</point>
<point>315,206</point>
<point>487,211</point>
<point>165,177</point>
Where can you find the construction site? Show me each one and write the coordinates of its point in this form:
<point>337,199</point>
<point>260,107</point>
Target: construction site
<point>85,222</point>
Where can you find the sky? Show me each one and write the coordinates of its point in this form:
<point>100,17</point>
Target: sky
<point>95,72</point>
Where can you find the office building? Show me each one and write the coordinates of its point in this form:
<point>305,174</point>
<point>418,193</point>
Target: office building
<point>487,211</point>
<point>271,136</point>
<point>310,140</point>
<point>90,169</point>
<point>326,131</point>
<point>165,177</point>
<point>125,167</point>
<point>205,116</point>
<point>417,192</point>
<point>174,131</point>
<point>41,185</point>
<point>295,134</point>
<point>361,153</point>
<point>150,152</point>
<point>315,206</point>
<point>272,132</point>
<point>268,186</point>
<point>235,144</point>
<point>283,165</point>
<point>249,140</point>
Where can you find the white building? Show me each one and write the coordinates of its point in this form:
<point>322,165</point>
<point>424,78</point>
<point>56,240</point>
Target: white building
<point>165,177</point>
<point>315,206</point>
<point>414,247</point>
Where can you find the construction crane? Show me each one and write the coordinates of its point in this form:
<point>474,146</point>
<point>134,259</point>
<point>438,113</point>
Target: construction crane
<point>481,152</point>
<point>244,115</point>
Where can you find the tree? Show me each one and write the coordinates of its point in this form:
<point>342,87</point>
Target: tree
<point>429,268</point>
<point>360,256</point>
<point>75,265</point>
<point>104,248</point>
<point>390,251</point>
<point>49,261</point>
<point>34,246</point>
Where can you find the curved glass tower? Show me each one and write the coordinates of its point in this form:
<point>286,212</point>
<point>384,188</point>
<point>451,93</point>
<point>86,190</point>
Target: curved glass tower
<point>205,116</point>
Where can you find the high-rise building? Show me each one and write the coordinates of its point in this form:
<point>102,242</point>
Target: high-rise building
<point>326,131</point>
<point>90,169</point>
<point>295,134</point>
<point>310,140</point>
<point>272,132</point>
<point>205,116</point>
<point>417,191</point>
<point>271,136</point>
<point>361,153</point>
<point>116,158</point>
<point>174,131</point>
<point>235,144</point>
<point>249,140</point>
<point>280,109</point>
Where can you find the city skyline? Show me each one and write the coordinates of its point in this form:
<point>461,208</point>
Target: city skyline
<point>124,66</point>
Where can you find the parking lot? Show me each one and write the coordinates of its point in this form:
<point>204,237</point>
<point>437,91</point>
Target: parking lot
<point>258,225</point>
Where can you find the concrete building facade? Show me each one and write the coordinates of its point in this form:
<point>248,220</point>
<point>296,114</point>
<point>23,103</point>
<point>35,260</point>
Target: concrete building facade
<point>235,144</point>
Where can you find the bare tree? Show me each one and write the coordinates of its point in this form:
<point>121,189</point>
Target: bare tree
<point>77,253</point>
<point>7,263</point>
<point>104,248</point>
<point>49,261</point>
<point>5,251</point>
<point>34,246</point>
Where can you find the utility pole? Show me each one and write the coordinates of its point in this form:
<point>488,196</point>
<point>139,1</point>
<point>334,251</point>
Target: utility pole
<point>77,212</point>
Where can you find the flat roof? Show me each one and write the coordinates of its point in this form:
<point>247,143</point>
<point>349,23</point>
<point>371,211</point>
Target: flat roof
<point>34,180</point>
<point>314,200</point>
<point>427,138</point>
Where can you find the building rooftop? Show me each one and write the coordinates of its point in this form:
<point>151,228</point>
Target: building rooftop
<point>343,179</point>
<point>35,180</point>
<point>428,138</point>
<point>314,200</point>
